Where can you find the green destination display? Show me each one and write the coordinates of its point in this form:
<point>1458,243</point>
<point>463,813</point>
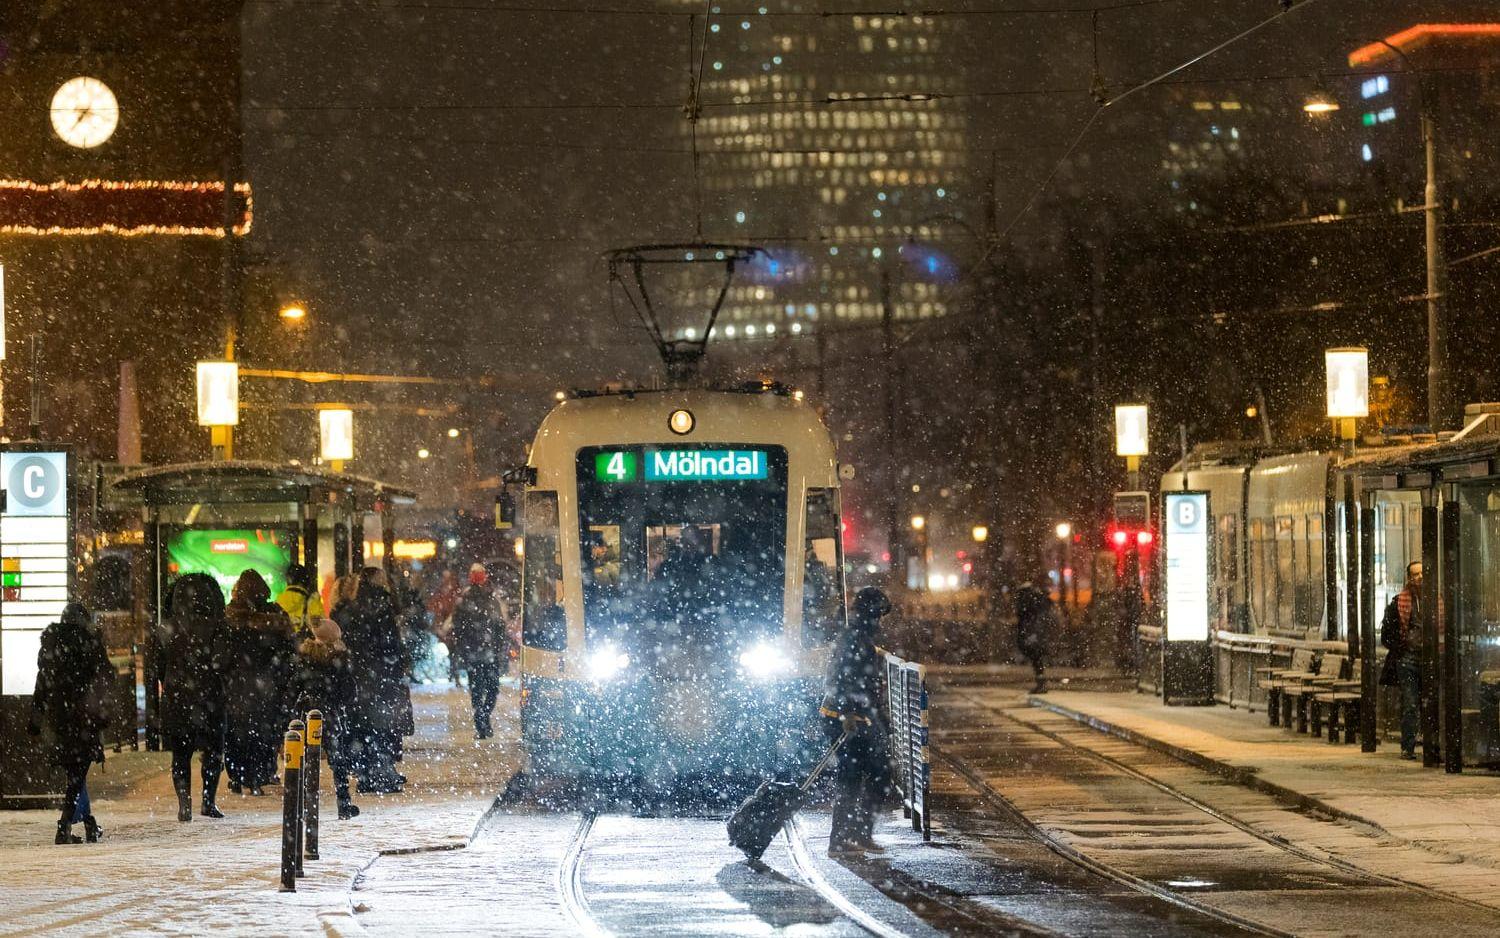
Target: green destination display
<point>681,465</point>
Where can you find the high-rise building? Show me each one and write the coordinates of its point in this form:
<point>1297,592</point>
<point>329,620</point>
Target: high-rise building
<point>823,142</point>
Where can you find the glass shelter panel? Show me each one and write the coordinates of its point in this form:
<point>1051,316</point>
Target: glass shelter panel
<point>1478,631</point>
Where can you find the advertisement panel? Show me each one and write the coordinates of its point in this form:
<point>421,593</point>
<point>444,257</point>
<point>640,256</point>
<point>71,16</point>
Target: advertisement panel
<point>1187,548</point>
<point>34,560</point>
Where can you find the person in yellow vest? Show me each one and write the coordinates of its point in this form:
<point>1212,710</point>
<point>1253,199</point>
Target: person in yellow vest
<point>300,599</point>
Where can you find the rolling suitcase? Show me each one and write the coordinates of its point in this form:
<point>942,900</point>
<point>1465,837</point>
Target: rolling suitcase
<point>756,822</point>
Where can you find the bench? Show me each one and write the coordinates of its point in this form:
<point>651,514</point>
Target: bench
<point>1274,680</point>
<point>1342,700</point>
<point>1301,687</point>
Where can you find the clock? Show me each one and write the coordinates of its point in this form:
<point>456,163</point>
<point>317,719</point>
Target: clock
<point>84,112</point>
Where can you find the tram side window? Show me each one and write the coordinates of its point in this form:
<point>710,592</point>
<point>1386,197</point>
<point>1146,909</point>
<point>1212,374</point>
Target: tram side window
<point>1316,600</point>
<point>1260,576</point>
<point>823,569</point>
<point>1286,574</point>
<point>544,625</point>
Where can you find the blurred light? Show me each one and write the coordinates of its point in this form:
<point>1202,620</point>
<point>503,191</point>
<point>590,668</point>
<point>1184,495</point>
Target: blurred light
<point>1119,537</point>
<point>871,568</point>
<point>1143,538</point>
<point>1130,430</point>
<point>607,662</point>
<point>520,548</point>
<point>1320,103</point>
<point>969,567</point>
<point>293,312</point>
<point>796,328</point>
<point>764,660</point>
<point>336,434</point>
<point>218,394</point>
<point>453,433</point>
<point>1366,153</point>
<point>423,453</point>
<point>918,522</point>
<point>1252,412</point>
<point>681,422</point>
<point>1374,87</point>
<point>951,580</point>
<point>1064,530</point>
<point>980,533</point>
<point>798,394</point>
<point>560,395</point>
<point>452,542</point>
<point>1348,382</point>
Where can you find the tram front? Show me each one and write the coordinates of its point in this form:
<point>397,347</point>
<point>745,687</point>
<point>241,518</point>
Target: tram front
<point>706,581</point>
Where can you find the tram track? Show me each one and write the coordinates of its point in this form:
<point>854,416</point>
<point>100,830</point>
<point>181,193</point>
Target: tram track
<point>1226,817</point>
<point>1109,765</point>
<point>570,881</point>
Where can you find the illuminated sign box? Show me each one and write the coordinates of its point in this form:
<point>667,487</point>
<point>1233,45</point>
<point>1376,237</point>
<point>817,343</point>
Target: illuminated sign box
<point>682,465</point>
<point>34,560</point>
<point>1187,549</point>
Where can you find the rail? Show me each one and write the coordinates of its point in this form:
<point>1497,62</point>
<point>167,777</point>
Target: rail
<point>906,704</point>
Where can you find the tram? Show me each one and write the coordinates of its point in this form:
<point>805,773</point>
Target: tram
<point>682,581</point>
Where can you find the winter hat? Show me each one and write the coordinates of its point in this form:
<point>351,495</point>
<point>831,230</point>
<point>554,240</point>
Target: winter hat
<point>328,631</point>
<point>478,575</point>
<point>870,604</point>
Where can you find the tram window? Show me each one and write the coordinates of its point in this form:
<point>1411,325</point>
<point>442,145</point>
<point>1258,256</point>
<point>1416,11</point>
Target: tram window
<point>823,569</point>
<point>544,623</point>
<point>1229,548</point>
<point>1316,600</point>
<point>1286,574</point>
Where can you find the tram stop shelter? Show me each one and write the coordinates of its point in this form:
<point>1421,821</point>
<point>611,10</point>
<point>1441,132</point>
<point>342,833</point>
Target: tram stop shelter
<point>222,518</point>
<point>1439,503</point>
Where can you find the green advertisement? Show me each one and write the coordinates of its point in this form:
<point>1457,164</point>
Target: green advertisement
<point>225,554</point>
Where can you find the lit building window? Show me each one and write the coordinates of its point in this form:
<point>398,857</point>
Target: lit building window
<point>1366,153</point>
<point>1374,87</point>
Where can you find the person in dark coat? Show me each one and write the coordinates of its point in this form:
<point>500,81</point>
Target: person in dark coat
<point>1034,617</point>
<point>375,659</point>
<point>479,640</point>
<point>1401,634</point>
<point>322,681</point>
<point>851,703</point>
<point>192,695</point>
<point>255,655</point>
<point>73,670</point>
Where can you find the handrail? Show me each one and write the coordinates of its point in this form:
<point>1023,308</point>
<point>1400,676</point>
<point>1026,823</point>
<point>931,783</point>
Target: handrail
<point>907,708</point>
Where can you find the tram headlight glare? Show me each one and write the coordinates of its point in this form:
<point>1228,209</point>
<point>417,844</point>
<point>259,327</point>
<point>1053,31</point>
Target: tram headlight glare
<point>763,661</point>
<point>607,662</point>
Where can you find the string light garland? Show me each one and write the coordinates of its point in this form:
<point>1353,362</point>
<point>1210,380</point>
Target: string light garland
<point>130,208</point>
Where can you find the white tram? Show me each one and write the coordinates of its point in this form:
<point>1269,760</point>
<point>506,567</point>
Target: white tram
<point>683,579</point>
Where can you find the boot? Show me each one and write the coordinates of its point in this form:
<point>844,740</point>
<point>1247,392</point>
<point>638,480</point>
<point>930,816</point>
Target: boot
<point>91,830</point>
<point>210,793</point>
<point>347,810</point>
<point>184,800</point>
<point>65,834</point>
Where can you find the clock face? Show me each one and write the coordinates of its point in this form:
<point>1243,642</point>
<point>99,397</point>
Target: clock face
<point>84,112</point>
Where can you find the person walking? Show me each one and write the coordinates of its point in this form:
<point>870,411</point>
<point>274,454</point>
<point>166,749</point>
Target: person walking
<point>1400,633</point>
<point>73,674</point>
<point>369,629</point>
<point>322,681</point>
<point>851,703</point>
<point>192,696</point>
<point>300,599</point>
<point>479,638</point>
<point>1034,617</point>
<point>256,653</point>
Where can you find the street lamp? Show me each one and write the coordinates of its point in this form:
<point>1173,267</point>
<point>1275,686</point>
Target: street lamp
<point>1131,440</point>
<point>1064,531</point>
<point>980,533</point>
<point>1348,372</point>
<point>453,433</point>
<point>918,522</point>
<point>1320,102</point>
<point>1065,578</point>
<point>219,404</point>
<point>336,436</point>
<point>293,312</point>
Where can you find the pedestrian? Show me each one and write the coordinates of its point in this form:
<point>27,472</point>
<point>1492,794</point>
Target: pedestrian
<point>369,629</point>
<point>1400,634</point>
<point>192,694</point>
<point>851,704</point>
<point>479,638</point>
<point>72,685</point>
<point>440,606</point>
<point>1034,618</point>
<point>322,681</point>
<point>300,599</point>
<point>256,654</point>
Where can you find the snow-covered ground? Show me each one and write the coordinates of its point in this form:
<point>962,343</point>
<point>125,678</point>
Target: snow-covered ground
<point>152,874</point>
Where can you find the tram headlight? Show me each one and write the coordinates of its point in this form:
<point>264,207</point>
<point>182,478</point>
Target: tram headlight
<point>764,661</point>
<point>606,663</point>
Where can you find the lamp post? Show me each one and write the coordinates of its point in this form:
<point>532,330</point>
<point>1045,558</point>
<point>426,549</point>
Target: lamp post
<point>1067,582</point>
<point>336,436</point>
<point>919,547</point>
<point>219,404</point>
<point>1131,440</point>
<point>1348,374</point>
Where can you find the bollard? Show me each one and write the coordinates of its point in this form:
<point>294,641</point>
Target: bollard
<point>300,728</point>
<point>291,801</point>
<point>312,778</point>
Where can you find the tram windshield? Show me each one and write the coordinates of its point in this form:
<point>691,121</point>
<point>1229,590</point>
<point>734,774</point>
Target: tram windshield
<point>682,545</point>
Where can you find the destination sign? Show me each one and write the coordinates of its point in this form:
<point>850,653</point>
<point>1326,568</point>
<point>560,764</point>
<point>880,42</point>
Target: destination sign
<point>681,465</point>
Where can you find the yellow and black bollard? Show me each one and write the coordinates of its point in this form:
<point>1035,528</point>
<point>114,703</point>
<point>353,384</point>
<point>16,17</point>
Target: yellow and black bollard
<point>300,728</point>
<point>312,783</point>
<point>291,777</point>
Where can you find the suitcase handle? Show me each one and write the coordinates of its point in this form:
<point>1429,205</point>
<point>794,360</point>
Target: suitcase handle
<point>817,770</point>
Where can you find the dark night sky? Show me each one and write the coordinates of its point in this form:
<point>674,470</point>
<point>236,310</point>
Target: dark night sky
<point>434,176</point>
